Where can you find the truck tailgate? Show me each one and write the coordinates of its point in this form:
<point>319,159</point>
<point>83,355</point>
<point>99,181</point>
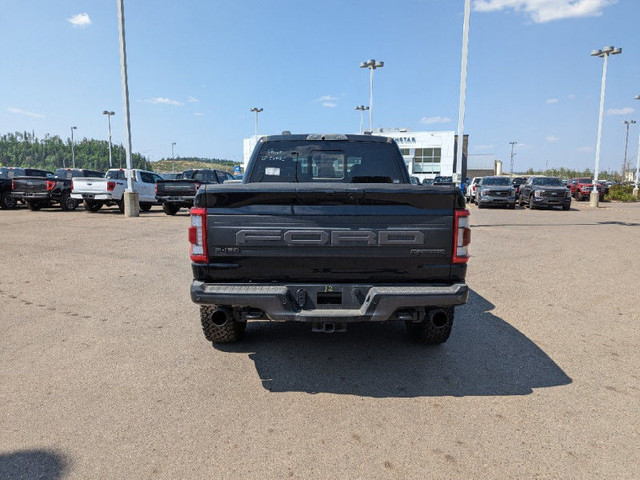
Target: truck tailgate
<point>177,188</point>
<point>90,185</point>
<point>327,232</point>
<point>30,184</point>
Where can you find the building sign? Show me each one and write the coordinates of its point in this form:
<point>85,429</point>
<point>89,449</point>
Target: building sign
<point>405,140</point>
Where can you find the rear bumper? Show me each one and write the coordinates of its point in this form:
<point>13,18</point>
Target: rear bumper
<point>183,201</point>
<point>32,196</point>
<point>92,196</point>
<point>359,303</point>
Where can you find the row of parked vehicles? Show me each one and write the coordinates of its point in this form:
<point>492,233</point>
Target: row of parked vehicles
<point>67,188</point>
<point>533,192</point>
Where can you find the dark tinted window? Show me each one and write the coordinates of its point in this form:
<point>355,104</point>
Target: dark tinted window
<point>205,176</point>
<point>551,182</point>
<point>171,176</point>
<point>147,177</point>
<point>15,172</point>
<point>116,175</point>
<point>328,161</point>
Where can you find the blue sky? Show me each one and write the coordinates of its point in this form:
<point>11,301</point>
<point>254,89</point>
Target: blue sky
<point>197,67</point>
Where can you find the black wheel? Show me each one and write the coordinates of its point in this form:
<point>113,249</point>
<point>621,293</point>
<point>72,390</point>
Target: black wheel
<point>121,204</point>
<point>480,205</point>
<point>145,207</point>
<point>566,207</point>
<point>579,197</point>
<point>34,205</point>
<point>512,205</point>
<point>67,203</point>
<point>520,201</point>
<point>7,202</point>
<point>91,205</point>
<point>219,324</point>
<point>433,330</point>
<point>532,204</point>
<point>170,209</point>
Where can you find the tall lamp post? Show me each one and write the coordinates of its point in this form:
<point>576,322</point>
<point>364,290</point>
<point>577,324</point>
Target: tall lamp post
<point>513,144</point>
<point>594,199</point>
<point>458,161</point>
<point>635,190</point>
<point>73,151</point>
<point>256,110</point>
<point>362,109</point>
<point>173,156</point>
<point>108,114</point>
<point>371,65</point>
<point>628,123</point>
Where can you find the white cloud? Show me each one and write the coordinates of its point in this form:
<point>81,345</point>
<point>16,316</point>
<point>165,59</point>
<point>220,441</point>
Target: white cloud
<point>163,100</point>
<point>541,11</point>
<point>551,138</point>
<point>431,120</point>
<point>19,111</point>
<point>552,100</point>
<point>198,114</point>
<point>191,99</point>
<point>80,20</point>
<point>326,98</point>
<point>482,148</point>
<point>571,96</point>
<point>585,148</point>
<point>620,111</point>
<point>329,104</point>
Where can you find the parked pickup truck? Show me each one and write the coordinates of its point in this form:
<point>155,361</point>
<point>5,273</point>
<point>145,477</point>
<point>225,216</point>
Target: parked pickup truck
<point>7,174</point>
<point>97,192</point>
<point>327,229</point>
<point>581,189</point>
<point>541,192</point>
<point>46,191</point>
<point>177,193</point>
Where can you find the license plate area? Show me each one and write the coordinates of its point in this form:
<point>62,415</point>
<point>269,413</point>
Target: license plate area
<point>329,298</point>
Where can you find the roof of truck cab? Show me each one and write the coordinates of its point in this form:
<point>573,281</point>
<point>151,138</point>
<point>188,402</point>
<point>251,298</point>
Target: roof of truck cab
<point>305,136</point>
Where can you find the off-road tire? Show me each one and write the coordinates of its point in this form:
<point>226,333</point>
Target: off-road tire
<point>145,207</point>
<point>428,334</point>
<point>230,332</point>
<point>91,206</point>
<point>7,202</point>
<point>34,205</point>
<point>68,204</point>
<point>170,209</point>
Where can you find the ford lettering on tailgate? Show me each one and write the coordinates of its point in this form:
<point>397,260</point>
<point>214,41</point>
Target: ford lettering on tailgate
<point>334,238</point>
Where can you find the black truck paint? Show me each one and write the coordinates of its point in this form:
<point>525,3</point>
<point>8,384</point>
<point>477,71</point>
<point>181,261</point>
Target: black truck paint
<point>46,191</point>
<point>7,174</point>
<point>177,193</point>
<point>545,192</point>
<point>343,236</point>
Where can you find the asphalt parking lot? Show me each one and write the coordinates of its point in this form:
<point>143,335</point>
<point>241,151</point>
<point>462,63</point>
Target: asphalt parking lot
<point>105,372</point>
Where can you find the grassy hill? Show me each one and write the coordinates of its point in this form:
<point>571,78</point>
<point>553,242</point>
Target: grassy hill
<point>178,165</point>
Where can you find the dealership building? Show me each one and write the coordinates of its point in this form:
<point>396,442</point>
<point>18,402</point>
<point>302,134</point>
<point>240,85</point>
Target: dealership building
<point>426,154</point>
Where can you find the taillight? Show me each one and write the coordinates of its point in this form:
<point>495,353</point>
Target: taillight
<point>72,186</point>
<point>111,186</point>
<point>461,236</point>
<point>198,235</point>
<point>13,184</point>
<point>51,184</point>
<point>156,188</point>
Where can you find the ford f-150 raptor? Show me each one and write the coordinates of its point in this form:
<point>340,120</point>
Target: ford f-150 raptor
<point>327,229</point>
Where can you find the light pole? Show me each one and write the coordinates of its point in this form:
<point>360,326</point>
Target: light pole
<point>594,199</point>
<point>635,190</point>
<point>108,114</point>
<point>371,65</point>
<point>513,144</point>
<point>131,203</point>
<point>173,157</point>
<point>628,123</point>
<point>362,109</point>
<point>463,92</point>
<point>73,151</point>
<point>256,110</point>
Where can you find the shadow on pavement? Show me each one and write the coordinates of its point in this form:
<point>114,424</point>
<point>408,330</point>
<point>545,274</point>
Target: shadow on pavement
<point>484,356</point>
<point>32,464</point>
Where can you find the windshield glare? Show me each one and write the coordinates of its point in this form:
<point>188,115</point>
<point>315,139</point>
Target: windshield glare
<point>552,182</point>
<point>496,181</point>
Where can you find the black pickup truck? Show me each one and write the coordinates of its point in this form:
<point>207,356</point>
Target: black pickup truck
<point>7,174</point>
<point>45,191</point>
<point>328,229</point>
<point>177,193</point>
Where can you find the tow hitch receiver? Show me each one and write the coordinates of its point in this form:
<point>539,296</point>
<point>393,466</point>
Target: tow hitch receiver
<point>328,327</point>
